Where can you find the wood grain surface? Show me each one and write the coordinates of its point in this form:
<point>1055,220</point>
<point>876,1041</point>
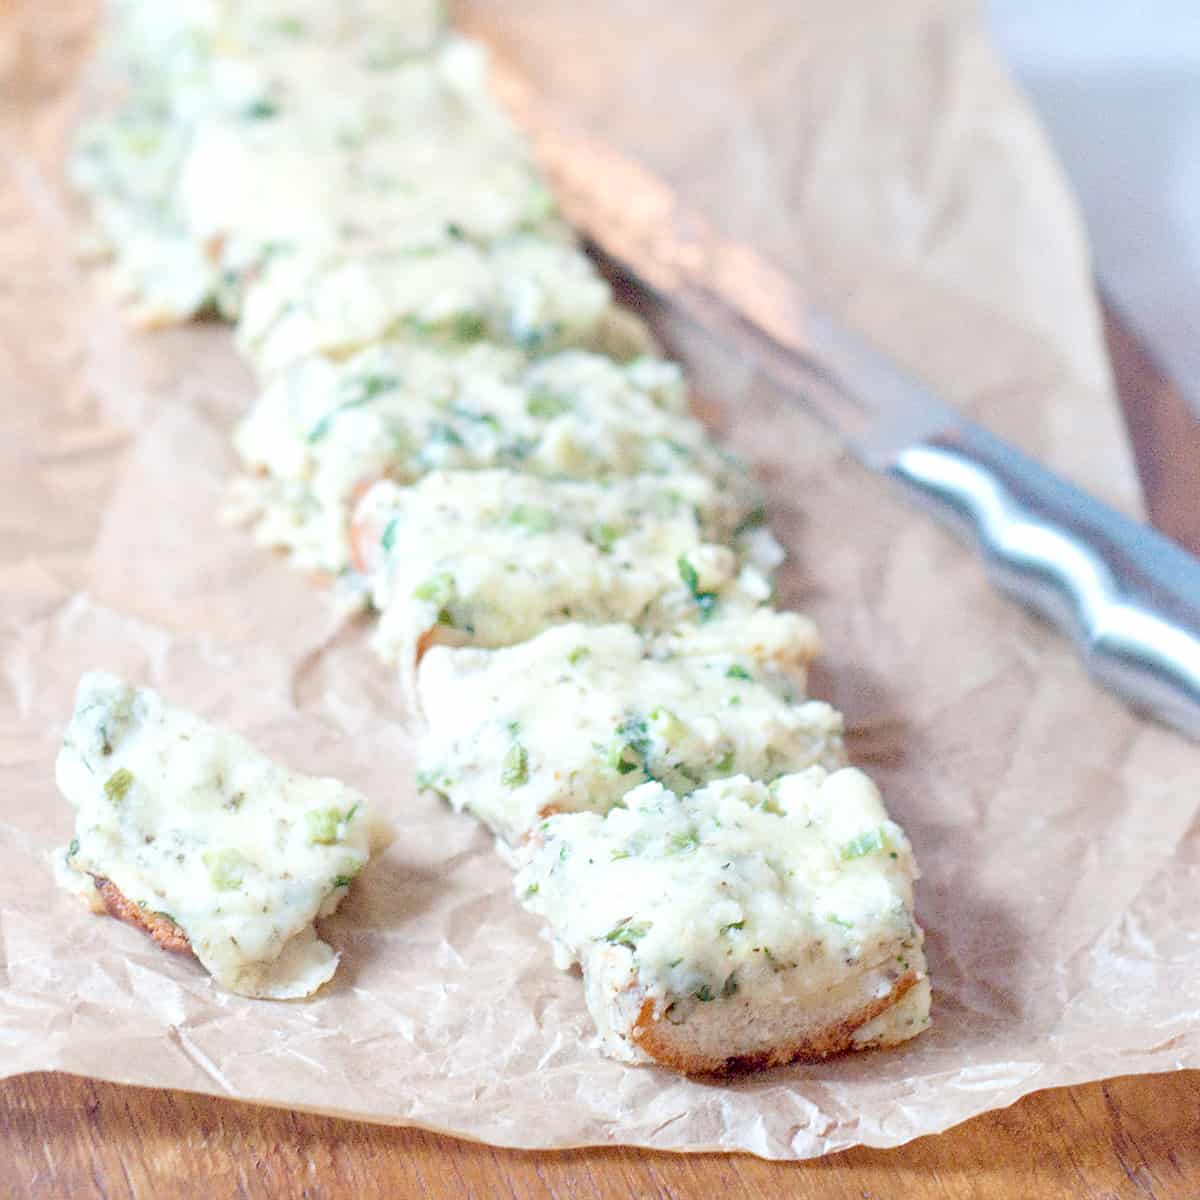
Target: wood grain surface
<point>1136,1137</point>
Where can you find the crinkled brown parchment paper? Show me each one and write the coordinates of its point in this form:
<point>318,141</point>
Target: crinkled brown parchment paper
<point>877,151</point>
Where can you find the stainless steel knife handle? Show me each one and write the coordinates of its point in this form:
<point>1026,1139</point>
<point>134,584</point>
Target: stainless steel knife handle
<point>1128,596</point>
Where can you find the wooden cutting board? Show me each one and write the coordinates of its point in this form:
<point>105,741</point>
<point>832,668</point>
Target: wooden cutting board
<point>1136,1137</point>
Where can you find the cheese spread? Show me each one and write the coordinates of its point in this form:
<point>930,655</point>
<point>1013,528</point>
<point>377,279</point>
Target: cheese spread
<point>323,430</point>
<point>195,826</point>
<point>781,893</point>
<point>580,715</point>
<point>491,558</point>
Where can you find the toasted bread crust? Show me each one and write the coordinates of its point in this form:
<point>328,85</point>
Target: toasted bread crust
<point>668,1044</point>
<point>163,930</point>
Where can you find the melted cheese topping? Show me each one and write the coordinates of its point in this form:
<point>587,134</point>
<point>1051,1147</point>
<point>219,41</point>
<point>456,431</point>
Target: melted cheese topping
<point>194,824</point>
<point>242,159</point>
<point>787,890</point>
<point>323,430</point>
<point>579,716</point>
<point>492,558</point>
<point>532,292</point>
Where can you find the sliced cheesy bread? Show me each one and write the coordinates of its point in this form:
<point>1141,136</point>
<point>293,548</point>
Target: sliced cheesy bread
<point>489,558</point>
<point>742,925</point>
<point>579,716</point>
<point>533,292</point>
<point>192,833</point>
<point>322,430</point>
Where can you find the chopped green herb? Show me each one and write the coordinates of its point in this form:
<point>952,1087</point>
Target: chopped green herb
<point>441,434</point>
<point>468,327</point>
<point>603,536</point>
<point>515,767</point>
<point>322,427</point>
<point>706,602</point>
<point>518,450</point>
<point>578,655</point>
<point>73,848</point>
<point>455,232</point>
<point>733,925</point>
<point>437,589</point>
<point>389,534</point>
<point>341,881</point>
<point>864,844</point>
<point>725,763</point>
<point>617,855</point>
<point>841,922</point>
<point>375,385</point>
<point>682,843</point>
<point>322,825</point>
<point>546,405</point>
<point>118,784</point>
<point>667,725</point>
<point>632,748</point>
<point>262,110</point>
<point>531,890</point>
<point>628,933</point>
<point>738,672</point>
<point>531,519</point>
<point>226,869</point>
<point>703,993</point>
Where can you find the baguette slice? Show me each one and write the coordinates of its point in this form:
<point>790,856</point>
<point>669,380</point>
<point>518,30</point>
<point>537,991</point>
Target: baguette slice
<point>741,926</point>
<point>322,429</point>
<point>491,558</point>
<point>580,715</point>
<point>196,837</point>
<point>533,291</point>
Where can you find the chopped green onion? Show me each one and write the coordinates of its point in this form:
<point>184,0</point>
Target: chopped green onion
<point>628,933</point>
<point>515,770</point>
<point>864,844</point>
<point>546,405</point>
<point>531,519</point>
<point>118,784</point>
<point>226,869</point>
<point>323,825</point>
<point>706,602</point>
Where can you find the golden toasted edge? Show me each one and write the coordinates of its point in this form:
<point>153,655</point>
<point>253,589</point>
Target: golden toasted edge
<point>161,928</point>
<point>666,1043</point>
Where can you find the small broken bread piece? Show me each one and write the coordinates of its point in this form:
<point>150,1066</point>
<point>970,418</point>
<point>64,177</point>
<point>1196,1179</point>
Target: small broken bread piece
<point>491,558</point>
<point>577,717</point>
<point>197,837</point>
<point>742,925</point>
<point>322,430</point>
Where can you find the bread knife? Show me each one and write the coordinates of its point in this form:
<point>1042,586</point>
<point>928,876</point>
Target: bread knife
<point>1127,596</point>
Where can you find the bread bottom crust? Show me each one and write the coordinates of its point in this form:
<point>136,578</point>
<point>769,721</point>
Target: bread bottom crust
<point>163,930</point>
<point>829,1032</point>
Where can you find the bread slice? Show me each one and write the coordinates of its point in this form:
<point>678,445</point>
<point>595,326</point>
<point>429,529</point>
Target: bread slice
<point>197,838</point>
<point>492,558</point>
<point>575,718</point>
<point>400,410</point>
<point>740,926</point>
